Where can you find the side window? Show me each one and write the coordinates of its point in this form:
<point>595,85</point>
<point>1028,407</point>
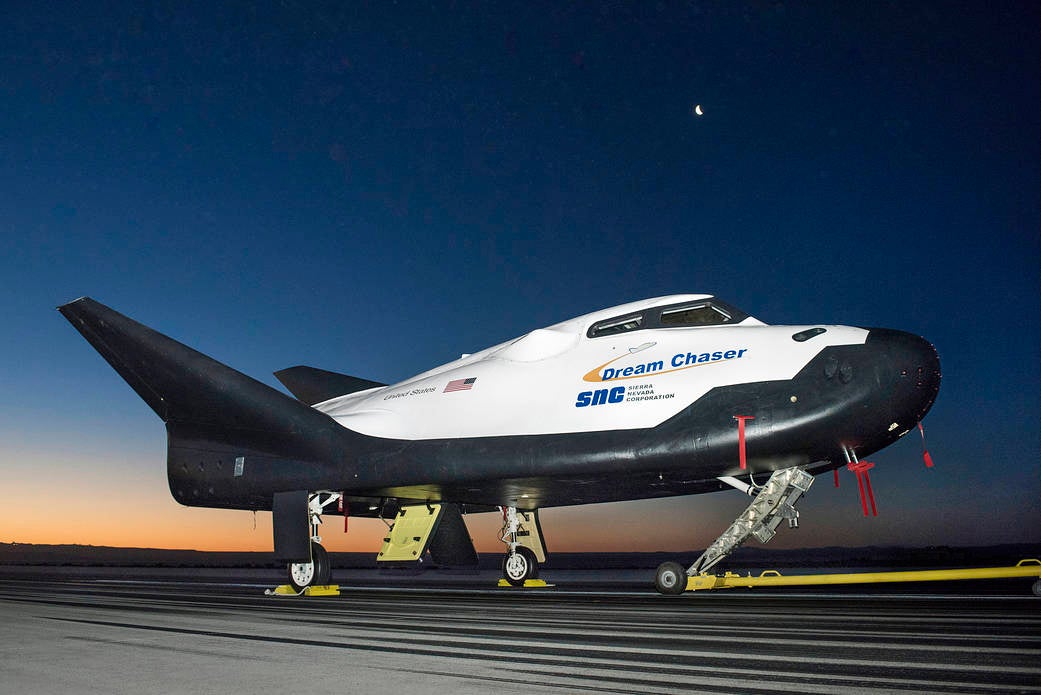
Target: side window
<point>703,314</point>
<point>622,324</point>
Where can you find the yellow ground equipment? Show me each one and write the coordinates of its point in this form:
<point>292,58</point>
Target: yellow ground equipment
<point>410,534</point>
<point>528,584</point>
<point>286,590</point>
<point>769,578</point>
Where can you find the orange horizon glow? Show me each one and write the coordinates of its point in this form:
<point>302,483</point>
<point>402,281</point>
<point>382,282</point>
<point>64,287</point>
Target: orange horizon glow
<point>121,499</point>
<point>99,494</point>
<point>172,527</point>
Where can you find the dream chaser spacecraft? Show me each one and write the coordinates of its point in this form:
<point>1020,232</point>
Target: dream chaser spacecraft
<point>675,395</point>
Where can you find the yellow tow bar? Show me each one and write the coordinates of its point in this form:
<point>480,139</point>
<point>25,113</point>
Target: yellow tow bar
<point>1024,568</point>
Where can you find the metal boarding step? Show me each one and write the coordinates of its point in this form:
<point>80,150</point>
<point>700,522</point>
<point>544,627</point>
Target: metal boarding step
<point>773,502</point>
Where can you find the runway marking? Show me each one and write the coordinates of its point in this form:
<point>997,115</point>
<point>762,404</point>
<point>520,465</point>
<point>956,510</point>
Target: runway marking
<point>565,657</point>
<point>480,648</point>
<point>166,648</point>
<point>581,642</point>
<point>576,625</point>
<point>856,638</point>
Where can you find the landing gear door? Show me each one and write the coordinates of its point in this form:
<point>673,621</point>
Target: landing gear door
<point>291,526</point>
<point>529,534</point>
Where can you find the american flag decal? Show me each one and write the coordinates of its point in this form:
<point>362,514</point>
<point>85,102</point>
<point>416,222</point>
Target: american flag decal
<point>460,385</point>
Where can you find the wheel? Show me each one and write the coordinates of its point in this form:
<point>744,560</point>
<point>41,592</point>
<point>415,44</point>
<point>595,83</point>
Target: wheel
<point>520,566</point>
<point>1036,588</point>
<point>313,573</point>
<point>670,579</point>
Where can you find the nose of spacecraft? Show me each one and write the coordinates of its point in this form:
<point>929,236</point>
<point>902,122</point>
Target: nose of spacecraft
<point>907,375</point>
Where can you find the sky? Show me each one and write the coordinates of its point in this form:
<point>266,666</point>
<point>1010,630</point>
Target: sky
<point>376,188</point>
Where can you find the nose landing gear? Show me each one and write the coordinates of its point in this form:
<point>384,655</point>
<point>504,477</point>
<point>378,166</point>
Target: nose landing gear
<point>525,547</point>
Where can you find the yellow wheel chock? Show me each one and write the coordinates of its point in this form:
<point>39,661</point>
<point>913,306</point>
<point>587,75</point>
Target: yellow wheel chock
<point>528,584</point>
<point>287,590</point>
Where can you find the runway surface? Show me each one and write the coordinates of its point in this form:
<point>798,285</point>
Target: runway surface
<point>179,632</point>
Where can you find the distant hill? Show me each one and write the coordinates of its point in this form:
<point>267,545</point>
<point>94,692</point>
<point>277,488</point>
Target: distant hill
<point>747,557</point>
<point>105,556</point>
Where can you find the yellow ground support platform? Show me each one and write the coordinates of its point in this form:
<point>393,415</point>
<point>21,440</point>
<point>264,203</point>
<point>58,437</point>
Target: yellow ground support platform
<point>1024,568</point>
<point>286,590</point>
<point>528,584</point>
<point>410,533</point>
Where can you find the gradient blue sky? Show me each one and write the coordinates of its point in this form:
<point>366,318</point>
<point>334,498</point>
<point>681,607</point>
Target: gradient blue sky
<point>377,188</point>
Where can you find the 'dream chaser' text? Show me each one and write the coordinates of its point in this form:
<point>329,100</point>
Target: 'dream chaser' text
<point>680,360</point>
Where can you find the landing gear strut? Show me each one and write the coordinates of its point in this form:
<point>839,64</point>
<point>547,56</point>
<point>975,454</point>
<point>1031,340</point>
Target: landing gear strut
<point>524,546</point>
<point>318,571</point>
<point>772,503</point>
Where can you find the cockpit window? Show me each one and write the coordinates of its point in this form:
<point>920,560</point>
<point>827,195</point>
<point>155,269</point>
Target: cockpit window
<point>689,314</point>
<point>701,314</point>
<point>616,325</point>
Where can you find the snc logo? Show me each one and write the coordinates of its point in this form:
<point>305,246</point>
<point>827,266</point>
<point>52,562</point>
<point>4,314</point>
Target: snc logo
<point>600,397</point>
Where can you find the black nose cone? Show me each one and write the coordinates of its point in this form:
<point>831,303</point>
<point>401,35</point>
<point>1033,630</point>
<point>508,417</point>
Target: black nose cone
<point>907,373</point>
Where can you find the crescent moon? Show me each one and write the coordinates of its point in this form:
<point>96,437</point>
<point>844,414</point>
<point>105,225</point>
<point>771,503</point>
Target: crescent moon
<point>698,111</point>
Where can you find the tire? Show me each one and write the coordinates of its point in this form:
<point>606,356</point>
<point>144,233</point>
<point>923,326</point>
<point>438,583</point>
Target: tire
<point>670,579</point>
<point>313,573</point>
<point>1036,588</point>
<point>323,568</point>
<point>520,567</point>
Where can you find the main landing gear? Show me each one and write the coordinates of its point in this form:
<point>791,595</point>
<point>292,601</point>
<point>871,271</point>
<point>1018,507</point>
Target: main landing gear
<point>525,548</point>
<point>317,571</point>
<point>771,503</point>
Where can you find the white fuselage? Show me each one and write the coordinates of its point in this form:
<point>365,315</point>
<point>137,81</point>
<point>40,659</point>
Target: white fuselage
<point>559,380</point>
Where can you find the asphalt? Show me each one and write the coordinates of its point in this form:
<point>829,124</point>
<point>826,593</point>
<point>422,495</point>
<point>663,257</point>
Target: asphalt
<point>80,630</point>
